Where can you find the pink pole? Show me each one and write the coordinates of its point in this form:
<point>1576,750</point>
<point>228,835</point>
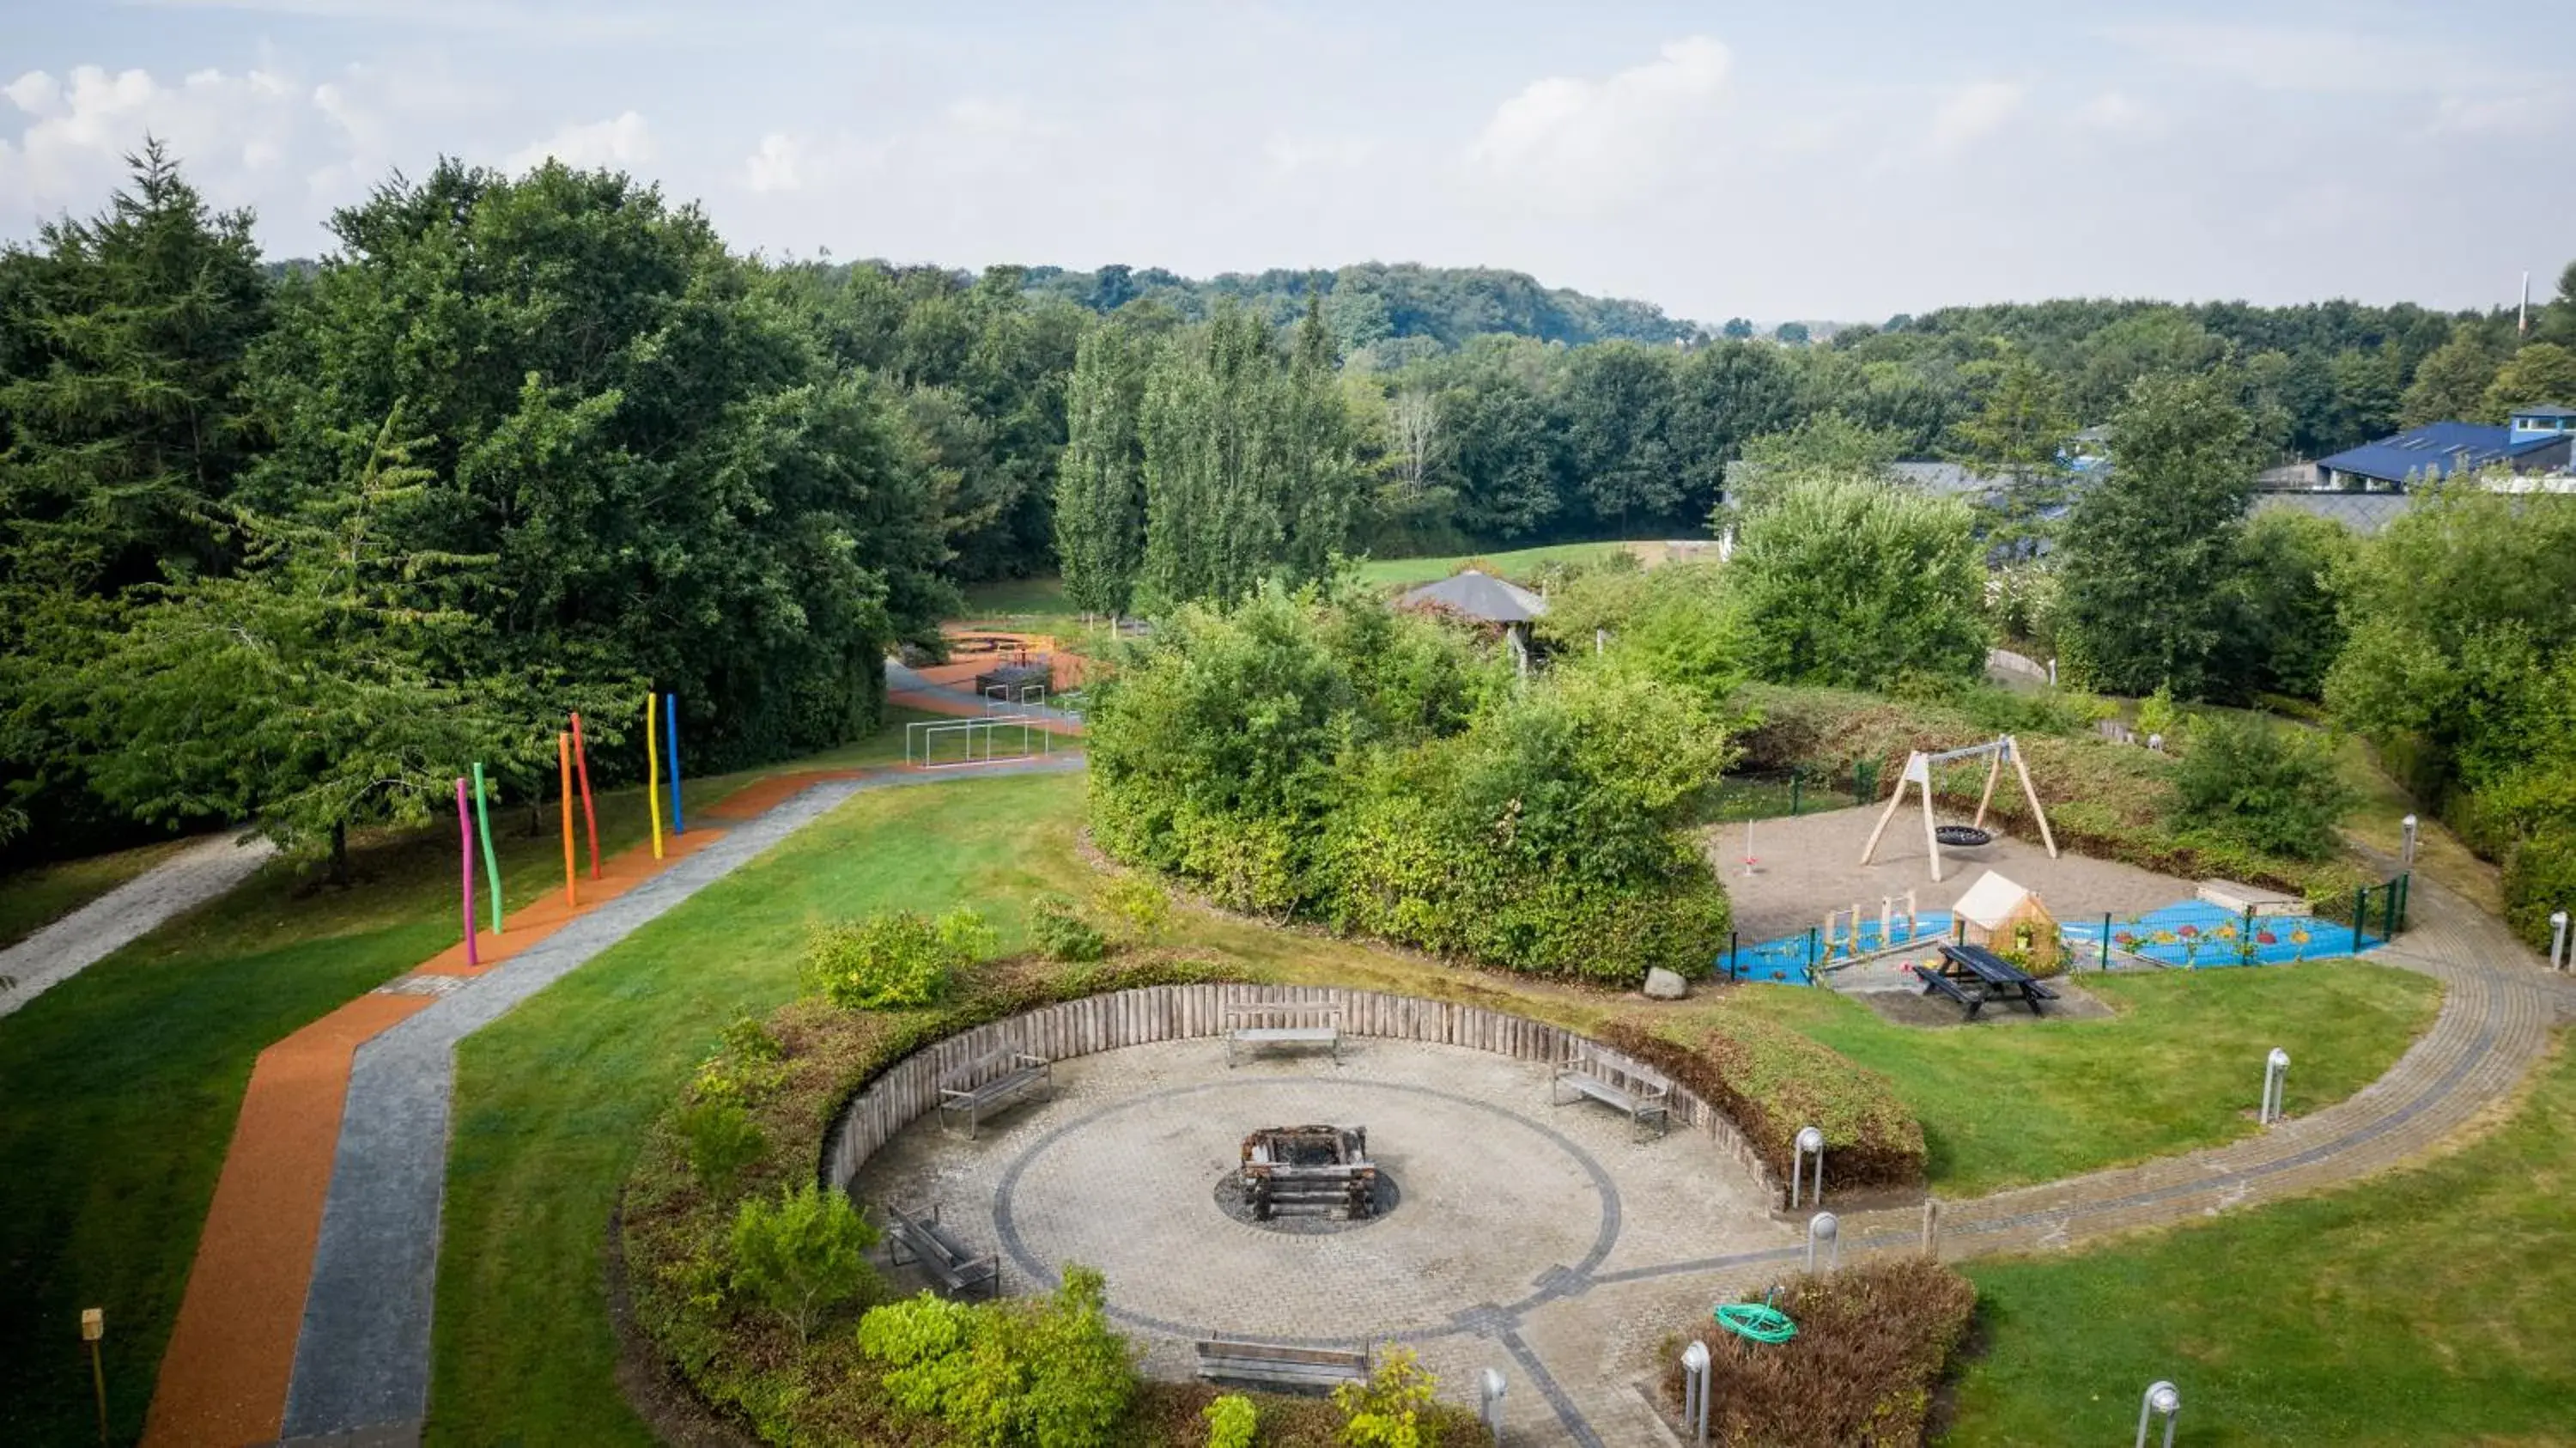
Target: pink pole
<point>465,833</point>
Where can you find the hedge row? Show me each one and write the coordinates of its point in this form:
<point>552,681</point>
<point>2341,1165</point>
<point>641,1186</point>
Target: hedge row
<point>1873,1342</point>
<point>746,1363</point>
<point>2108,800</point>
<point>1770,1081</point>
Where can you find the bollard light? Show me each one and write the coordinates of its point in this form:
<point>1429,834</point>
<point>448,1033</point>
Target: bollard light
<point>1810,1142</point>
<point>2406,843</point>
<point>1824,1231</point>
<point>1695,1385</point>
<point>2558,940</point>
<point>2276,1075</point>
<point>2162,1398</point>
<point>1489,1393</point>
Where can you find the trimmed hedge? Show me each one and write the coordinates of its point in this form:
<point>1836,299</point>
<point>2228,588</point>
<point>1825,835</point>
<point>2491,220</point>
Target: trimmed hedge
<point>1770,1081</point>
<point>1873,1342</point>
<point>794,1078</point>
<point>2108,800</point>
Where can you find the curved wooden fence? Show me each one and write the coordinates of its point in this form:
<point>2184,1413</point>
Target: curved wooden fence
<point>909,1089</point>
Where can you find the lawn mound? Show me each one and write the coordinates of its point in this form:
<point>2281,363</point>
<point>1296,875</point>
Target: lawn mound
<point>1873,1341</point>
<point>1770,1081</point>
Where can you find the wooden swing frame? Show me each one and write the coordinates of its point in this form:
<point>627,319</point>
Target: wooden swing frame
<point>1918,772</point>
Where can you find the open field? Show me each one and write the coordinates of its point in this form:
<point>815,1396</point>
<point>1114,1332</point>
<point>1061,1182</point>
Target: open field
<point>2429,1306</point>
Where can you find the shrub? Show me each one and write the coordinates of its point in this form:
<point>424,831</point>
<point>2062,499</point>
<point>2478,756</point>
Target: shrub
<point>1232,1420</point>
<point>1854,582</point>
<point>722,1140</point>
<point>894,960</point>
<point>1048,1373</point>
<point>2269,788</point>
<point>1056,924</point>
<point>1142,908</point>
<point>2159,715</point>
<point>746,1039</point>
<point>802,1255</point>
<point>1391,1409</point>
<point>1873,1341</point>
<point>1770,1081</point>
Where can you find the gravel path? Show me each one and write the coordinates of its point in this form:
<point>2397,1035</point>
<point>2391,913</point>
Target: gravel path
<point>362,1359</point>
<point>98,929</point>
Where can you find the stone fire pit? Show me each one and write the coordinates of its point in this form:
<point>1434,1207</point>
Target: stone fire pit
<point>1309,1171</point>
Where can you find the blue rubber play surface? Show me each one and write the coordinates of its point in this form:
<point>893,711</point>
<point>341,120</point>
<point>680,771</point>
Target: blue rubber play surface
<point>2192,935</point>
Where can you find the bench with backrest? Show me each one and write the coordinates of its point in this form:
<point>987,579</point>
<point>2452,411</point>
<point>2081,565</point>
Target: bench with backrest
<point>1645,1099</point>
<point>1251,1025</point>
<point>918,1238</point>
<point>990,1083</point>
<point>1282,1367</point>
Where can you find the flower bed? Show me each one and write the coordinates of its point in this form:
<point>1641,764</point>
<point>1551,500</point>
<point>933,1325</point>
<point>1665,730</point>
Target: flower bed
<point>1873,1341</point>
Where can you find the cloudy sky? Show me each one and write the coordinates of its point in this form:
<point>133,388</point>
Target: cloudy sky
<point>1819,161</point>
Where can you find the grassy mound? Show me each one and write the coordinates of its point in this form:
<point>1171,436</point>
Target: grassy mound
<point>1770,1081</point>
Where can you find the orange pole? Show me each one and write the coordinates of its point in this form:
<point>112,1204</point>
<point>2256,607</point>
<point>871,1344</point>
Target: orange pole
<point>563,762</point>
<point>589,816</point>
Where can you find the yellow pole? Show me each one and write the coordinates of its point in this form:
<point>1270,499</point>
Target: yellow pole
<point>563,765</point>
<point>652,776</point>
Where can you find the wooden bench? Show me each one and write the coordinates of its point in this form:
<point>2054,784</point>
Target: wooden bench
<point>1255,1024</point>
<point>1644,1100</point>
<point>991,1082</point>
<point>1933,980</point>
<point>1284,1367</point>
<point>917,1237</point>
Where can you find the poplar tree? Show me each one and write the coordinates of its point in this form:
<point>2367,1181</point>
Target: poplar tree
<point>1100,486</point>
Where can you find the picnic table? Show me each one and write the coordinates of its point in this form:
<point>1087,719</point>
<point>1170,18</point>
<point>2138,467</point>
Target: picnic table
<point>1976,977</point>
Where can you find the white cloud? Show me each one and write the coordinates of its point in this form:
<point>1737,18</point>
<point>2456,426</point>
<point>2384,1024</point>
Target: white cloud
<point>227,128</point>
<point>774,167</point>
<point>1604,140</point>
<point>2325,60</point>
<point>1973,113</point>
<point>1290,155</point>
<point>2116,112</point>
<point>624,140</point>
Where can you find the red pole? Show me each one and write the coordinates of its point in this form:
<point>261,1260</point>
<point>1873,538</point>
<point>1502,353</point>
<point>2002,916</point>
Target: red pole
<point>563,762</point>
<point>465,835</point>
<point>590,818</point>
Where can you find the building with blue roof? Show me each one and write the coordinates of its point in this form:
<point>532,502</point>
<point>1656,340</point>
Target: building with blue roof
<point>2536,440</point>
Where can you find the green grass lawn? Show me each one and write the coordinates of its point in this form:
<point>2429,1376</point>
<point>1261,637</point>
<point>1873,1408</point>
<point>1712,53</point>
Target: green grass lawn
<point>32,899</point>
<point>121,1084</point>
<point>2180,1067</point>
<point>1517,564</point>
<point>2432,1305</point>
<point>553,1098</point>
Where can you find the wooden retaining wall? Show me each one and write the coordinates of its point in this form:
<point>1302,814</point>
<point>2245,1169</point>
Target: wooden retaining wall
<point>909,1089</point>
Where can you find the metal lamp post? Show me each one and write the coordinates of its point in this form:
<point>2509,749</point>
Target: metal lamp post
<point>2558,940</point>
<point>1810,1142</point>
<point>2406,843</point>
<point>1489,1400</point>
<point>1824,1230</point>
<point>2162,1397</point>
<point>1695,1390</point>
<point>2276,1077</point>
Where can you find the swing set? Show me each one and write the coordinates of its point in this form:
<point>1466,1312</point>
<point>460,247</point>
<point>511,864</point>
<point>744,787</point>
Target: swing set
<point>1918,773</point>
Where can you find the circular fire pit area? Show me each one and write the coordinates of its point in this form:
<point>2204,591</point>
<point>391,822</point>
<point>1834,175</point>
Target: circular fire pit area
<point>1411,1192</point>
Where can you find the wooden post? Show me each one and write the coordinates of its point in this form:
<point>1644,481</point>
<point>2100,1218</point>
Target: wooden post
<point>2031,792</point>
<point>1994,771</point>
<point>1931,834</point>
<point>1932,1227</point>
<point>1893,801</point>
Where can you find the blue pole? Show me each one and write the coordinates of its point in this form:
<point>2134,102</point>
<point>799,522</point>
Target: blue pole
<point>671,719</point>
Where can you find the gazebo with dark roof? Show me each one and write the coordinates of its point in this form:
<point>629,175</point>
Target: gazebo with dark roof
<point>1480,597</point>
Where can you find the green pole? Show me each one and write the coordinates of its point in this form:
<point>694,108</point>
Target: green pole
<point>2106,940</point>
<point>2388,917</point>
<point>1794,780</point>
<point>491,861</point>
<point>2405,896</point>
<point>1811,954</point>
<point>2245,938</point>
<point>2360,913</point>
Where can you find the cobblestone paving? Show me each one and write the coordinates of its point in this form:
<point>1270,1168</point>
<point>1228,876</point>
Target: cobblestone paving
<point>1543,1242</point>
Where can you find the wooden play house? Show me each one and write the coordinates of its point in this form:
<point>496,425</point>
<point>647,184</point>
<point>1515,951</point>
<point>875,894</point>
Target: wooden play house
<point>2008,920</point>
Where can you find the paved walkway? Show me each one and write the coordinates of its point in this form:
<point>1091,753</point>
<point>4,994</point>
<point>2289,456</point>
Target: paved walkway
<point>98,929</point>
<point>915,690</point>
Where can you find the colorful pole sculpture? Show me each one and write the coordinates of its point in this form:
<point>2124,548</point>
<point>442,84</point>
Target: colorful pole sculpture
<point>491,861</point>
<point>589,816</point>
<point>652,777</point>
<point>671,754</point>
<point>563,765</point>
<point>465,845</point>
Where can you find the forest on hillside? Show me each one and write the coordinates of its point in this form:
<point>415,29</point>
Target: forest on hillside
<point>285,543</point>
